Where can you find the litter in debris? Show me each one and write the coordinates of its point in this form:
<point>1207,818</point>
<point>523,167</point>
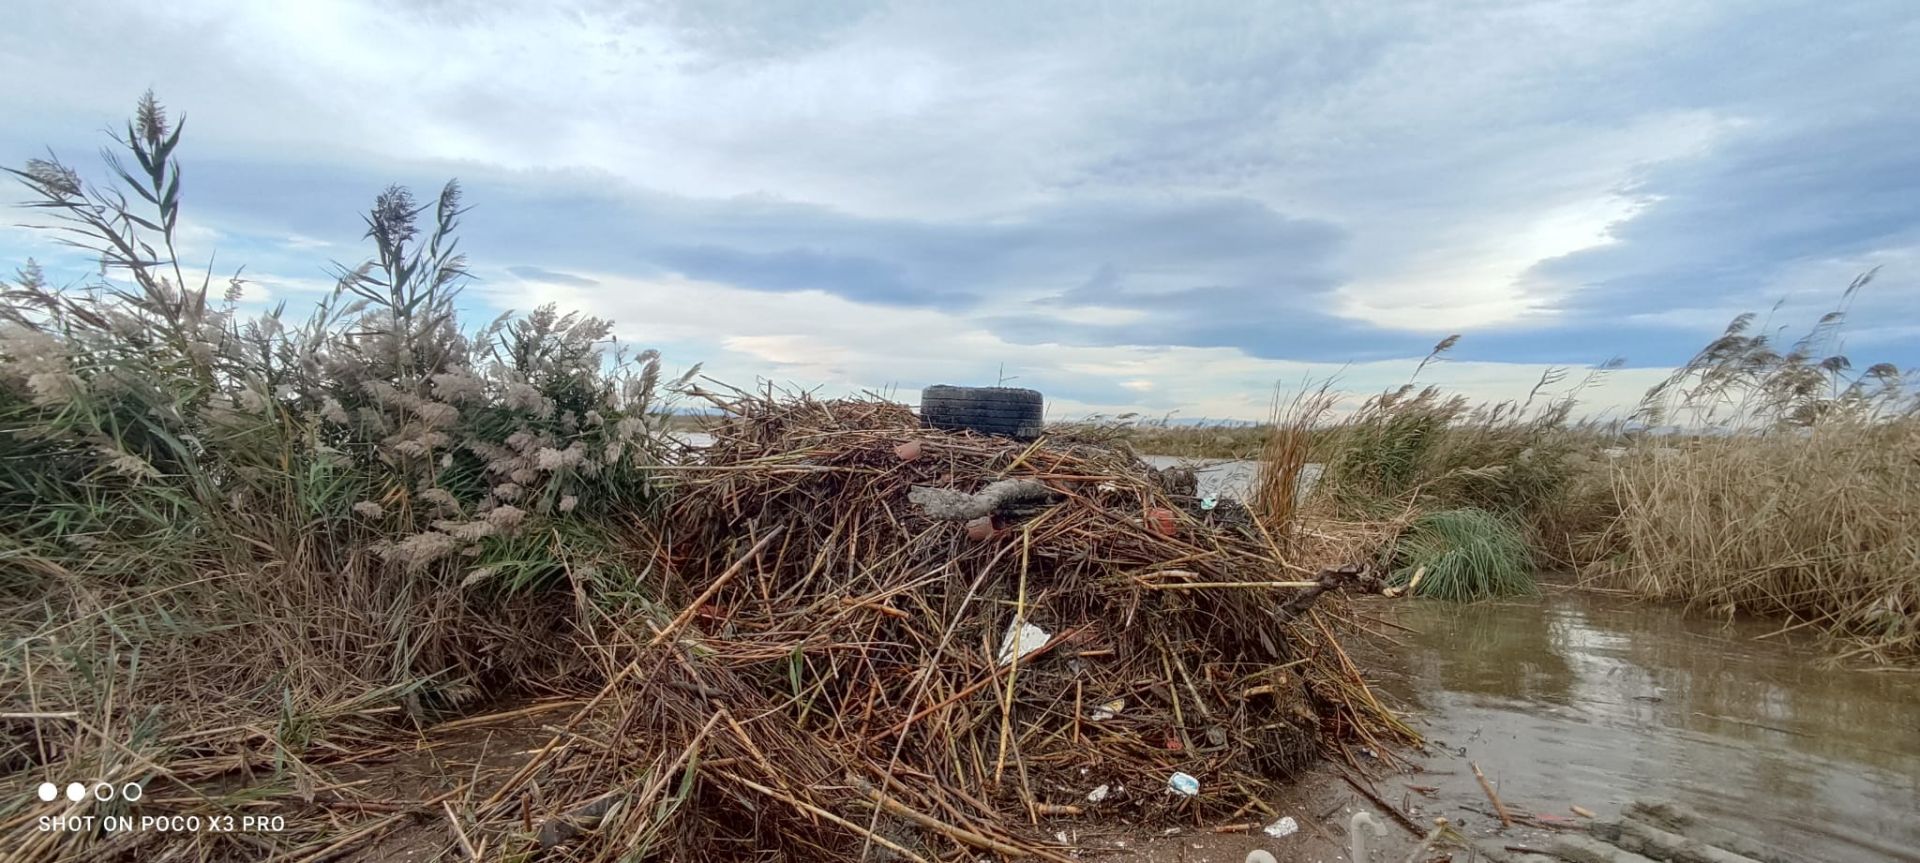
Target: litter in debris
<point>1104,712</point>
<point>1183,785</point>
<point>1098,794</point>
<point>1030,639</point>
<point>1283,828</point>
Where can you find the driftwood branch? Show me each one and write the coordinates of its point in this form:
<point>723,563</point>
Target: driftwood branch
<point>1357,576</point>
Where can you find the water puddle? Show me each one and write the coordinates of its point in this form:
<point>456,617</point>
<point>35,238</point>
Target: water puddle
<point>1228,478</point>
<point>1579,700</point>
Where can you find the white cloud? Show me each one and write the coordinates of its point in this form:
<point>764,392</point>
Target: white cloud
<point>1163,206</point>
<point>1475,271</point>
<point>259,287</point>
<point>810,338</point>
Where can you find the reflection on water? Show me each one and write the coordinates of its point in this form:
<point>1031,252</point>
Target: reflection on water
<point>1572,700</point>
<point>1229,478</point>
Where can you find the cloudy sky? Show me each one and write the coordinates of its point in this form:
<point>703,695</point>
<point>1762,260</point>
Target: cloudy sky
<point>1165,207</point>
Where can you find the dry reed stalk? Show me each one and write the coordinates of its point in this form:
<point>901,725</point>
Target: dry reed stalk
<point>659,636</point>
<point>460,833</point>
<point>815,810</point>
<point>1284,455</point>
<point>1506,820</point>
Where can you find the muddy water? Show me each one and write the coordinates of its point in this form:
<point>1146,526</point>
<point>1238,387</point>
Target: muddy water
<point>1228,478</point>
<point>1576,700</point>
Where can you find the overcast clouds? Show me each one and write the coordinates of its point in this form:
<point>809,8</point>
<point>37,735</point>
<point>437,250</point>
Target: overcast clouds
<point>1167,207</point>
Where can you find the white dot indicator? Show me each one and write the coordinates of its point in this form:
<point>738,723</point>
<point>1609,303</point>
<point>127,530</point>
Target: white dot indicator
<point>76,792</point>
<point>48,791</point>
<point>103,791</point>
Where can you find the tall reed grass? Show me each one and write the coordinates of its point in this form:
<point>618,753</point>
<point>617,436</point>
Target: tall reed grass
<point>1417,448</point>
<point>1795,496</point>
<point>1820,526</point>
<point>1764,476</point>
<point>1293,433</point>
<point>280,521</point>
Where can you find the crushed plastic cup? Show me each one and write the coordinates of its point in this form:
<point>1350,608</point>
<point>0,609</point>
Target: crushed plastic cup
<point>1183,785</point>
<point>1283,828</point>
<point>1023,642</point>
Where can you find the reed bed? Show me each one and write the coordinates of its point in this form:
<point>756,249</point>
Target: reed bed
<point>1481,496</point>
<point>238,543</point>
<point>1821,528</point>
<point>1792,497</point>
<point>1217,439</point>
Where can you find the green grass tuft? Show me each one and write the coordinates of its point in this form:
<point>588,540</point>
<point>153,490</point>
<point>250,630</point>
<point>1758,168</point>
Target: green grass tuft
<point>1467,554</point>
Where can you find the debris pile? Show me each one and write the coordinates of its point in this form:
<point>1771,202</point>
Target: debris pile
<point>841,666</point>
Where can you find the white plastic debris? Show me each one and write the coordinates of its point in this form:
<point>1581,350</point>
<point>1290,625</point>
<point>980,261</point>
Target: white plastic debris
<point>1209,502</point>
<point>1104,712</point>
<point>1283,828</point>
<point>1028,639</point>
<point>1183,785</point>
<point>1098,794</point>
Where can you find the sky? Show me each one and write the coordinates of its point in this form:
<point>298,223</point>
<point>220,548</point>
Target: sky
<point>1167,208</point>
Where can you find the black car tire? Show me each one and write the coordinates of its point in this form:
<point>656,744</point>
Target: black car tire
<point>1006,411</point>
